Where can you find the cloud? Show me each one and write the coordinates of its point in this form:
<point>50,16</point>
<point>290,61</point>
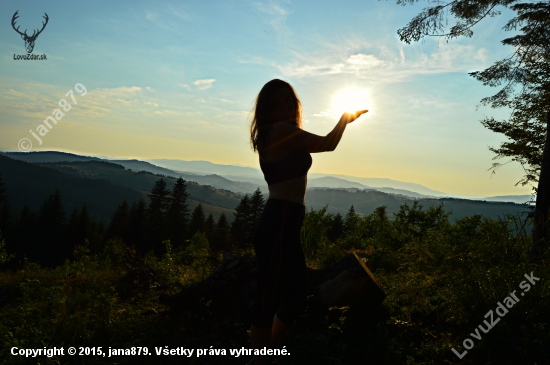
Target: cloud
<point>204,84</point>
<point>179,13</point>
<point>276,15</point>
<point>185,86</point>
<point>326,113</point>
<point>151,16</point>
<point>240,114</point>
<point>168,17</point>
<point>123,91</point>
<point>364,61</point>
<point>379,63</point>
<point>39,102</point>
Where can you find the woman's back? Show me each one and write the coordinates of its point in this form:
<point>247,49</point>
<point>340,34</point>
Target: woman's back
<point>285,167</point>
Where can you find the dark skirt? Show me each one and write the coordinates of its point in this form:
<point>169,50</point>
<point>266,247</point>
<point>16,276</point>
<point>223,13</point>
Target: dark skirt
<point>281,285</point>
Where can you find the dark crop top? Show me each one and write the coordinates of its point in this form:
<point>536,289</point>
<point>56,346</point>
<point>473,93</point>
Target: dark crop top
<point>292,166</point>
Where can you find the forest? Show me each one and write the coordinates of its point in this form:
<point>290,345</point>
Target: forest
<point>67,280</point>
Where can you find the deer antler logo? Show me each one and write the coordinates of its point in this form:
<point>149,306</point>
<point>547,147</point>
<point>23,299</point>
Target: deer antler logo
<point>29,40</point>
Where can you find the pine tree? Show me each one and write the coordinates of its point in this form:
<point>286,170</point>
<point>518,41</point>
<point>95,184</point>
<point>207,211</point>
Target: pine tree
<point>257,204</point>
<point>96,236</point>
<point>178,214</point>
<point>83,226</point>
<point>156,213</point>
<point>220,236</point>
<point>351,220</point>
<point>337,228</point>
<point>160,196</point>
<point>240,229</point>
<point>137,228</point>
<point>209,226</point>
<point>118,227</point>
<point>72,228</point>
<point>198,219</point>
<point>53,248</point>
<point>28,236</point>
<point>6,218</point>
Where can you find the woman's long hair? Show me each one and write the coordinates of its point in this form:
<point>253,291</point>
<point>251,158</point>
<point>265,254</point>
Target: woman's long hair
<point>265,112</point>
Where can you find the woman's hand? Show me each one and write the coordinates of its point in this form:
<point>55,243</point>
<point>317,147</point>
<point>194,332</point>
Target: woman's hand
<point>350,117</point>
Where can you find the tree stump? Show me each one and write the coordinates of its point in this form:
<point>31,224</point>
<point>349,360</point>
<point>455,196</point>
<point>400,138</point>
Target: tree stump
<point>232,285</point>
<point>350,282</point>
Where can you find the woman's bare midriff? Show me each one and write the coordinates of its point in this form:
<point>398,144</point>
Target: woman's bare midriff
<point>293,190</point>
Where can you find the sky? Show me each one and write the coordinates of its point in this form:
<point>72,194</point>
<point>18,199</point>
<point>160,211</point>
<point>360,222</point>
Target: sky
<point>178,80</point>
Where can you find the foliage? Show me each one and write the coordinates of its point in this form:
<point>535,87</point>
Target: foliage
<point>202,261</point>
<point>6,219</point>
<point>4,255</point>
<point>441,279</point>
<point>318,250</point>
<point>528,68</point>
<point>524,76</point>
<point>432,21</point>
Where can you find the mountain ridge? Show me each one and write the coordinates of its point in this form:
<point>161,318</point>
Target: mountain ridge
<point>223,176</point>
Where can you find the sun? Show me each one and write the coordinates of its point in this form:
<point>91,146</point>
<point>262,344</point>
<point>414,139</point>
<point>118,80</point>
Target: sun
<point>350,100</point>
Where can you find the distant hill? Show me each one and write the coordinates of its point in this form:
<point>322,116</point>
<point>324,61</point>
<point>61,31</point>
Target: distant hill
<point>366,201</point>
<point>54,156</point>
<point>252,174</point>
<point>217,181</point>
<point>206,167</point>
<point>31,184</point>
<point>386,183</point>
<point>220,182</point>
<point>245,180</point>
<point>136,165</point>
<point>334,182</point>
<point>143,182</point>
<point>101,185</point>
<point>520,199</point>
<point>48,156</point>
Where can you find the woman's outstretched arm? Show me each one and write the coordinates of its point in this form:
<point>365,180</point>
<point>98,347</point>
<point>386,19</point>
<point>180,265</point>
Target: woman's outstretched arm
<point>298,138</point>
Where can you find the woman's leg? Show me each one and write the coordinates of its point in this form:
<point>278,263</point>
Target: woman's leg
<point>260,338</point>
<point>281,273</point>
<point>277,332</point>
<point>268,246</point>
<point>268,337</point>
<point>294,279</point>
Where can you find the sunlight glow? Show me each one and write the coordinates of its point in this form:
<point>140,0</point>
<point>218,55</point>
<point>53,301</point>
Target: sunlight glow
<point>350,100</point>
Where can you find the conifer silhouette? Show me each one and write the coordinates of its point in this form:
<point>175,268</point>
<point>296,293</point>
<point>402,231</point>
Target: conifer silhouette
<point>178,214</point>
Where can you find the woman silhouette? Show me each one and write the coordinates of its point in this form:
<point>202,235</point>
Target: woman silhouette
<point>284,147</point>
